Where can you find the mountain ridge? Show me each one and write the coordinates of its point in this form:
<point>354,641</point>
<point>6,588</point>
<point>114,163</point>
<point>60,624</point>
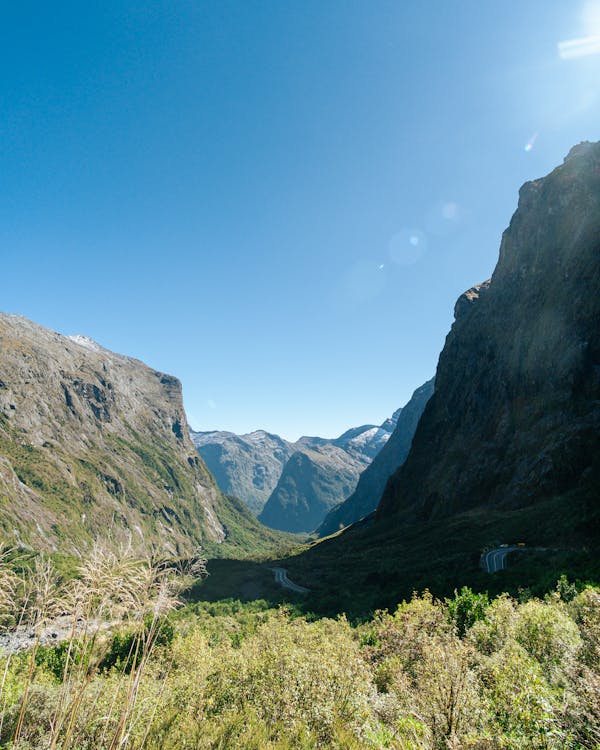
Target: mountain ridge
<point>94,444</point>
<point>373,479</point>
<point>271,474</point>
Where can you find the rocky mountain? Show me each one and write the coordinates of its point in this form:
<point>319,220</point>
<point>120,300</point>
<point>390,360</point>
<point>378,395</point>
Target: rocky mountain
<point>515,418</point>
<point>291,486</point>
<point>508,447</point>
<point>367,440</point>
<point>247,466</point>
<point>320,474</point>
<point>372,481</point>
<point>312,481</point>
<point>95,444</point>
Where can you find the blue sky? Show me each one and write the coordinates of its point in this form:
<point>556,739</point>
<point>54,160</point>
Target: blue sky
<point>276,201</point>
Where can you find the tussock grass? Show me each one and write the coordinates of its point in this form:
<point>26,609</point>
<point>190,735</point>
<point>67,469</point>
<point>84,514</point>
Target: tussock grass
<point>111,588</point>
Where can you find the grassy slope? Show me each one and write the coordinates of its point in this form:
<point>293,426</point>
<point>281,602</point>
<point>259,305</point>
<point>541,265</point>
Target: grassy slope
<point>66,494</point>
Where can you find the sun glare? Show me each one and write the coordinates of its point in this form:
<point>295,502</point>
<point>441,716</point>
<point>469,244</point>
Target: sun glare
<point>589,43</point>
<point>531,142</point>
<point>590,16</point>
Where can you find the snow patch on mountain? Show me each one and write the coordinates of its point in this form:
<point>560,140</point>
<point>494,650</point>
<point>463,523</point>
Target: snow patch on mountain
<point>85,341</point>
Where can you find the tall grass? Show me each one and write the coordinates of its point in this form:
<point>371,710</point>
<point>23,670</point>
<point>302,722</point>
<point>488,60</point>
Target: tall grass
<point>112,588</point>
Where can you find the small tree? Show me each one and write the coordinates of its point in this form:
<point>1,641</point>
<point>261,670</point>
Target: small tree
<point>466,609</point>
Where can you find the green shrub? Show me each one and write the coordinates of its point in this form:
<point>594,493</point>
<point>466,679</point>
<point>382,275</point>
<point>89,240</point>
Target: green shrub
<point>548,634</point>
<point>466,609</point>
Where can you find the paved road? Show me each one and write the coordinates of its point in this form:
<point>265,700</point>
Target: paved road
<point>495,559</point>
<point>282,579</point>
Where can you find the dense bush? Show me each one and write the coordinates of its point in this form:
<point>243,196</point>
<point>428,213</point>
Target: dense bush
<point>462,673</point>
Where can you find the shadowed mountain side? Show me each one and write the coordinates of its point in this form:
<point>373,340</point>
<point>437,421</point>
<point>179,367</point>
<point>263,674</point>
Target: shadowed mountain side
<point>312,481</point>
<point>373,479</point>
<point>515,417</point>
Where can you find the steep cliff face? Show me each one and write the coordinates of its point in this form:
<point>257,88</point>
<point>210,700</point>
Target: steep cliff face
<point>247,466</point>
<point>372,481</point>
<point>515,417</point>
<point>95,444</point>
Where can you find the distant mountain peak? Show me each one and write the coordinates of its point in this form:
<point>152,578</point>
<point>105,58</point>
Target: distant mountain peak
<point>316,472</point>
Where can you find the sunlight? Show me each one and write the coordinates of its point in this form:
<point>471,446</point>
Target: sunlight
<point>591,17</point>
<point>586,45</point>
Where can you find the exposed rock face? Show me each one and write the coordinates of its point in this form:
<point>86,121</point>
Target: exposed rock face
<point>515,418</point>
<point>366,496</point>
<point>247,466</point>
<point>94,444</point>
<point>312,481</point>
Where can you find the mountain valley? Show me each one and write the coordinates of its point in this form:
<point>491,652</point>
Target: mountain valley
<point>228,232</point>
<point>498,455</point>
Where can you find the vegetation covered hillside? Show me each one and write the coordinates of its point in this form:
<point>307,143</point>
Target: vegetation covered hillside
<point>93,443</point>
<point>466,672</point>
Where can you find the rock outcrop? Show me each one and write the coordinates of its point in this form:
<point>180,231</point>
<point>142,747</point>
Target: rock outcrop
<point>515,417</point>
<point>372,481</point>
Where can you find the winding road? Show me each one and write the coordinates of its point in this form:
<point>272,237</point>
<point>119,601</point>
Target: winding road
<point>282,579</point>
<point>495,559</point>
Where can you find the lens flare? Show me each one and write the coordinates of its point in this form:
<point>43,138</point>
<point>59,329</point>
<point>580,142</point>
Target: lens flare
<point>443,218</point>
<point>531,142</point>
<point>407,246</point>
<point>450,211</point>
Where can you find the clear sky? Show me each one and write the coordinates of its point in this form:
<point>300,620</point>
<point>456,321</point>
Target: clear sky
<point>278,201</point>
